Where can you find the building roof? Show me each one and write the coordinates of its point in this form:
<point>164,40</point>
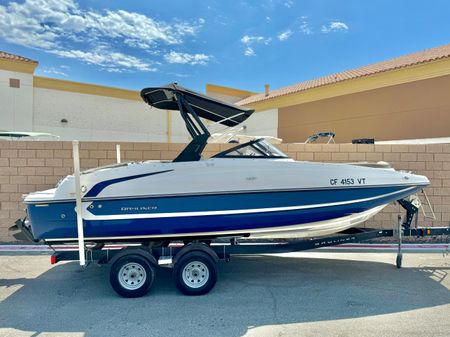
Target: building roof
<point>7,56</point>
<point>388,65</point>
<point>228,91</point>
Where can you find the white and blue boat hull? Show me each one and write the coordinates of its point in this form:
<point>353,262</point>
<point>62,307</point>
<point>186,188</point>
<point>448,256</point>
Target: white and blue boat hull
<point>300,212</point>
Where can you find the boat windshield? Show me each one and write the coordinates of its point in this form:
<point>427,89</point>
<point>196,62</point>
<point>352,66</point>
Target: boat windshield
<point>259,148</point>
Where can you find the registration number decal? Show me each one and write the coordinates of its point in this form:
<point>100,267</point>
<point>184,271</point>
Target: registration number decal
<point>348,181</point>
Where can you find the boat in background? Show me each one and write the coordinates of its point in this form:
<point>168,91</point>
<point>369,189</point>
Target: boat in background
<point>250,190</point>
<point>325,137</point>
<point>16,135</point>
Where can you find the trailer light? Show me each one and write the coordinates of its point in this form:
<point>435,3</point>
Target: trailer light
<point>428,231</point>
<point>53,259</point>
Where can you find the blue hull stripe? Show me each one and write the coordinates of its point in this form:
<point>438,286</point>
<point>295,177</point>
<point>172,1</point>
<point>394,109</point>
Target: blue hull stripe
<point>97,188</point>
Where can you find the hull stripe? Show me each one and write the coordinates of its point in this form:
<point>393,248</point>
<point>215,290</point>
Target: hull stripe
<point>97,188</point>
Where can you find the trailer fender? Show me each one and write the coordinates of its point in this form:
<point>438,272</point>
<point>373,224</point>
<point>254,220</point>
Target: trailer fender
<point>196,247</point>
<point>134,251</point>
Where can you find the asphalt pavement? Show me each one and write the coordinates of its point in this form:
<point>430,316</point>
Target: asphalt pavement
<point>301,294</point>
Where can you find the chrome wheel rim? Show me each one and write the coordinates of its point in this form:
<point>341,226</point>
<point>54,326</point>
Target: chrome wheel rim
<point>132,276</point>
<point>195,274</point>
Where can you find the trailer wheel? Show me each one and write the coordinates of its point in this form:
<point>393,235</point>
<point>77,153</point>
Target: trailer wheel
<point>132,276</point>
<point>195,273</point>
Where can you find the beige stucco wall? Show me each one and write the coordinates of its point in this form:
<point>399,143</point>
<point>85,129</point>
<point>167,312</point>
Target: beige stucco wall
<point>90,117</point>
<point>418,109</point>
<point>16,104</point>
<point>94,117</point>
<point>223,97</point>
<point>261,123</point>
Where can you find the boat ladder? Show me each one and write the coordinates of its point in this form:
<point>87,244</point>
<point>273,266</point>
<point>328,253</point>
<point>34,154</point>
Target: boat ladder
<point>425,201</point>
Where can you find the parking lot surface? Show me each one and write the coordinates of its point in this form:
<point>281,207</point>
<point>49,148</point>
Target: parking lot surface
<point>301,294</point>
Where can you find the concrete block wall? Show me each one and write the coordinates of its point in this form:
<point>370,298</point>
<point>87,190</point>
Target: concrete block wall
<point>431,160</point>
<point>30,166</point>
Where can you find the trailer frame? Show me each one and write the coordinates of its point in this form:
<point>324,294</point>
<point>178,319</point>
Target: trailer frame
<point>224,250</point>
<point>206,254</point>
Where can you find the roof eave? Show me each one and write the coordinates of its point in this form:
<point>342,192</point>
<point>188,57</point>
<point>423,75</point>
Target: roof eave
<point>416,72</point>
<point>18,65</point>
<point>228,91</point>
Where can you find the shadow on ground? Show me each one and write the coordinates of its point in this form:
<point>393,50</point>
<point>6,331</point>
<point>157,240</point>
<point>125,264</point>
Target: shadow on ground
<point>251,292</point>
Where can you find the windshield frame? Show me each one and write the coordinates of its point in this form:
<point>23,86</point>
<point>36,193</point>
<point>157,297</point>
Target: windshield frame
<point>257,145</point>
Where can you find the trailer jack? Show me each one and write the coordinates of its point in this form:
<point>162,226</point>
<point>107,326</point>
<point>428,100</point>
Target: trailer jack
<point>411,208</point>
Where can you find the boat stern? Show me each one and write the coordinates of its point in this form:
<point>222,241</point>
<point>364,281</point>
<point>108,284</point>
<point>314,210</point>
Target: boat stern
<point>46,217</point>
<point>22,230</point>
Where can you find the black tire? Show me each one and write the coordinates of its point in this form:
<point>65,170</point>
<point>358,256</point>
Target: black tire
<point>132,276</point>
<point>195,273</point>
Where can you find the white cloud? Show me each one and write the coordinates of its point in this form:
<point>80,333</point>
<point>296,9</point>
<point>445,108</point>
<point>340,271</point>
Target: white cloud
<point>334,26</point>
<point>109,60</point>
<point>288,3</point>
<point>179,75</point>
<point>247,39</point>
<point>285,35</point>
<point>53,71</point>
<point>249,52</point>
<point>305,28</point>
<point>61,26</point>
<point>184,58</point>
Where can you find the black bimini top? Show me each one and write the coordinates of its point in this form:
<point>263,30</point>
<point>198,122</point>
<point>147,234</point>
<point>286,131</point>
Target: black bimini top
<point>165,98</point>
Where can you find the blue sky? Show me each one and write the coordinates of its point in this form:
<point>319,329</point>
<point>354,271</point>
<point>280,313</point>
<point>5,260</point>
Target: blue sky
<point>243,44</point>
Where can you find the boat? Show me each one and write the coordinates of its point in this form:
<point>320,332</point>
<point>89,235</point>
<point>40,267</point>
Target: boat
<point>326,137</point>
<point>27,136</point>
<point>248,190</point>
